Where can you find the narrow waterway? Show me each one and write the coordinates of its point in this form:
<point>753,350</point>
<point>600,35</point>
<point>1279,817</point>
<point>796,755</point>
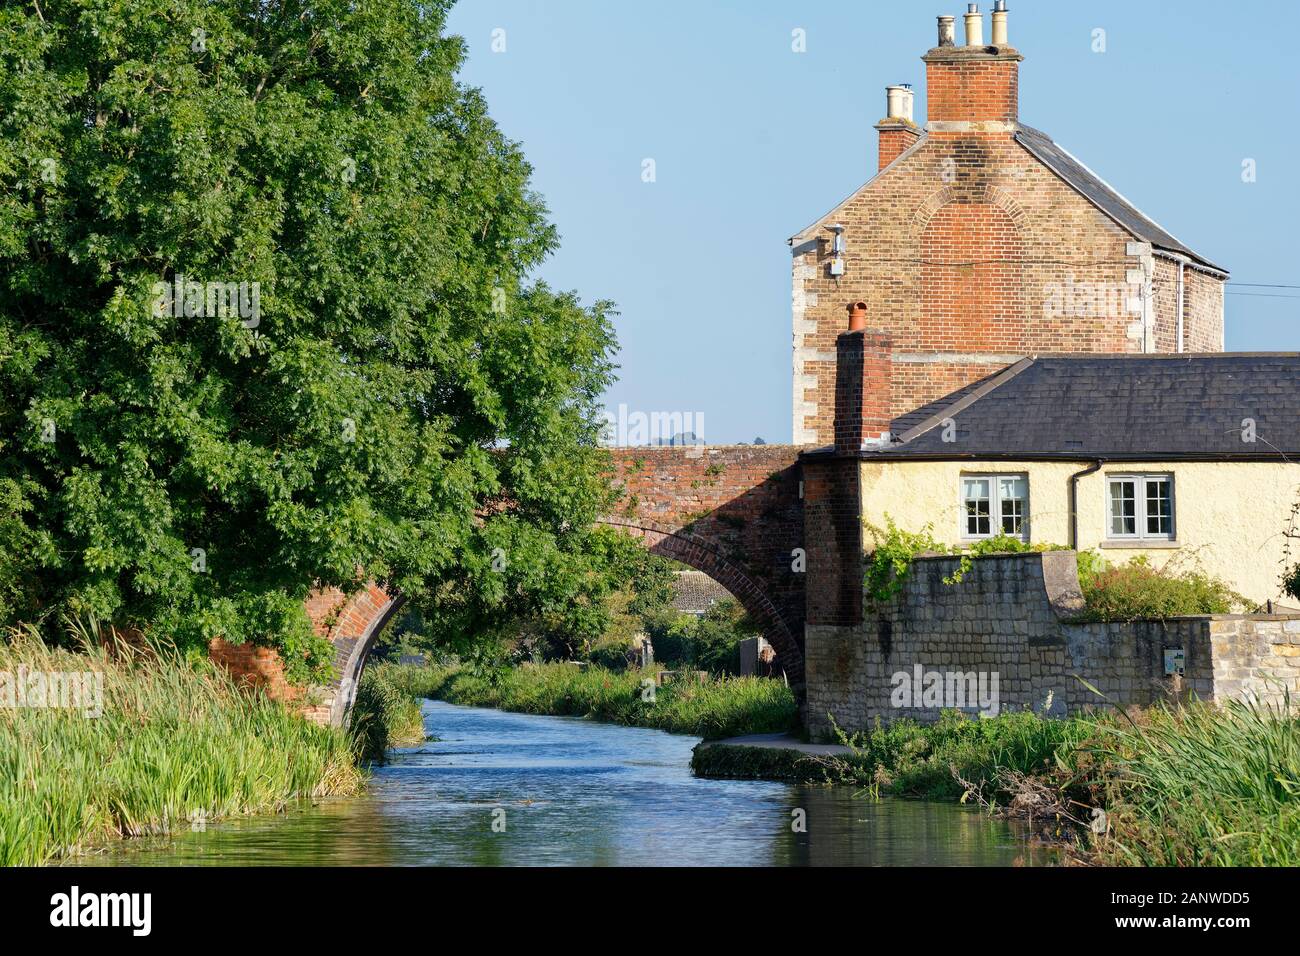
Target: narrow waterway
<point>513,789</point>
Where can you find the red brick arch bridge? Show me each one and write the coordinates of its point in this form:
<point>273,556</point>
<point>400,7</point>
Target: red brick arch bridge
<point>733,512</point>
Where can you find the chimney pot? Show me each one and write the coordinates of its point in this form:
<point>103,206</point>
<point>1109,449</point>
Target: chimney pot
<point>897,130</point>
<point>893,102</point>
<point>947,33</point>
<point>974,26</point>
<point>976,83</point>
<point>898,102</point>
<point>857,316</point>
<point>998,19</point>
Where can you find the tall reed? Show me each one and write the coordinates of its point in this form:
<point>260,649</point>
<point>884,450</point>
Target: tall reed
<point>176,743</point>
<point>1202,786</point>
<point>385,713</point>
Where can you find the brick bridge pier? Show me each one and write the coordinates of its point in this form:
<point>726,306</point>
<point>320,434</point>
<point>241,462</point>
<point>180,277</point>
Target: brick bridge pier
<point>733,512</point>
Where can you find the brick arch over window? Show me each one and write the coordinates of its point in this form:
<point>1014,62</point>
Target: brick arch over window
<point>989,193</point>
<point>972,278</point>
<point>696,552</point>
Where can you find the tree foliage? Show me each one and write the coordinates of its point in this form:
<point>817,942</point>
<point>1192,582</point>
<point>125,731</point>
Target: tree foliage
<point>406,399</point>
<point>710,641</point>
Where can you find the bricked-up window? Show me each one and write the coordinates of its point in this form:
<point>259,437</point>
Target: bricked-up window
<point>972,281</point>
<point>995,504</point>
<point>1140,506</point>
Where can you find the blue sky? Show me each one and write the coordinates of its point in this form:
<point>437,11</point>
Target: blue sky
<point>752,141</point>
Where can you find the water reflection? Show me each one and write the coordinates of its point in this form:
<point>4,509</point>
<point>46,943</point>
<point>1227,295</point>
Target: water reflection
<point>577,792</point>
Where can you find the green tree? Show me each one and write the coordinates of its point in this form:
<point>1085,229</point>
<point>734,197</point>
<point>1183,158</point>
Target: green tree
<point>387,395</point>
<point>709,642</point>
<point>558,608</point>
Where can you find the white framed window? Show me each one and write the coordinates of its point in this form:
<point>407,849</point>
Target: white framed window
<point>1140,506</point>
<point>994,504</point>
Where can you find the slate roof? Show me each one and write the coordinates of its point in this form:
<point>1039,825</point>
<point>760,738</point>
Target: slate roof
<point>1116,407</point>
<point>694,592</point>
<point>1101,194</point>
<point>915,417</point>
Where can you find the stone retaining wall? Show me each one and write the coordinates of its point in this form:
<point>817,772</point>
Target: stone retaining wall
<point>1009,616</point>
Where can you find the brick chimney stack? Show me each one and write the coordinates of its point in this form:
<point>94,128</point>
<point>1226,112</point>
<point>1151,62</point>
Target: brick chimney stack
<point>897,130</point>
<point>973,88</point>
<point>863,374</point>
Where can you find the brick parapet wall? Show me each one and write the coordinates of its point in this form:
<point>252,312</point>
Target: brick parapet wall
<point>674,483</point>
<point>1010,615</point>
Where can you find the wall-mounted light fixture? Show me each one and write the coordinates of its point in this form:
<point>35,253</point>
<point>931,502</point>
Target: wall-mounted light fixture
<point>837,250</point>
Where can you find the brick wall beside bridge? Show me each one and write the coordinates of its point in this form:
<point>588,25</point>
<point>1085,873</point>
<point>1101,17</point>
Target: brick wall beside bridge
<point>351,622</point>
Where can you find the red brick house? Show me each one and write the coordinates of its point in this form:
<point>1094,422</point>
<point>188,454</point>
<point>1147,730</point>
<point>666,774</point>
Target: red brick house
<point>979,241</point>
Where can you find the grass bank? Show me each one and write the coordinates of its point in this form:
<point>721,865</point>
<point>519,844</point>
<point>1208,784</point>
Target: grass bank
<point>1196,786</point>
<point>173,743</point>
<point>722,707</point>
<point>909,759</point>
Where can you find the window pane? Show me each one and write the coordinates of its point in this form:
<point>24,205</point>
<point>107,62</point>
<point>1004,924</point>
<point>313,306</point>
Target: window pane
<point>1123,508</point>
<point>1159,507</point>
<point>1013,517</point>
<point>975,492</point>
<point>1013,495</point>
<point>1013,488</point>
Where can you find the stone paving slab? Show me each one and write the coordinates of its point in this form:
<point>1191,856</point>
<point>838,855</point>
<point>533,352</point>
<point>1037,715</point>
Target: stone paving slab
<point>780,742</point>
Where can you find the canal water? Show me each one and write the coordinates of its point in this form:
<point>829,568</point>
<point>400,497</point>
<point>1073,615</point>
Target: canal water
<point>513,789</point>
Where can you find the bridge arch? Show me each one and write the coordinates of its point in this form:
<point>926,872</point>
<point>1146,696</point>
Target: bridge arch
<point>352,624</point>
<point>698,553</point>
<point>733,512</point>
